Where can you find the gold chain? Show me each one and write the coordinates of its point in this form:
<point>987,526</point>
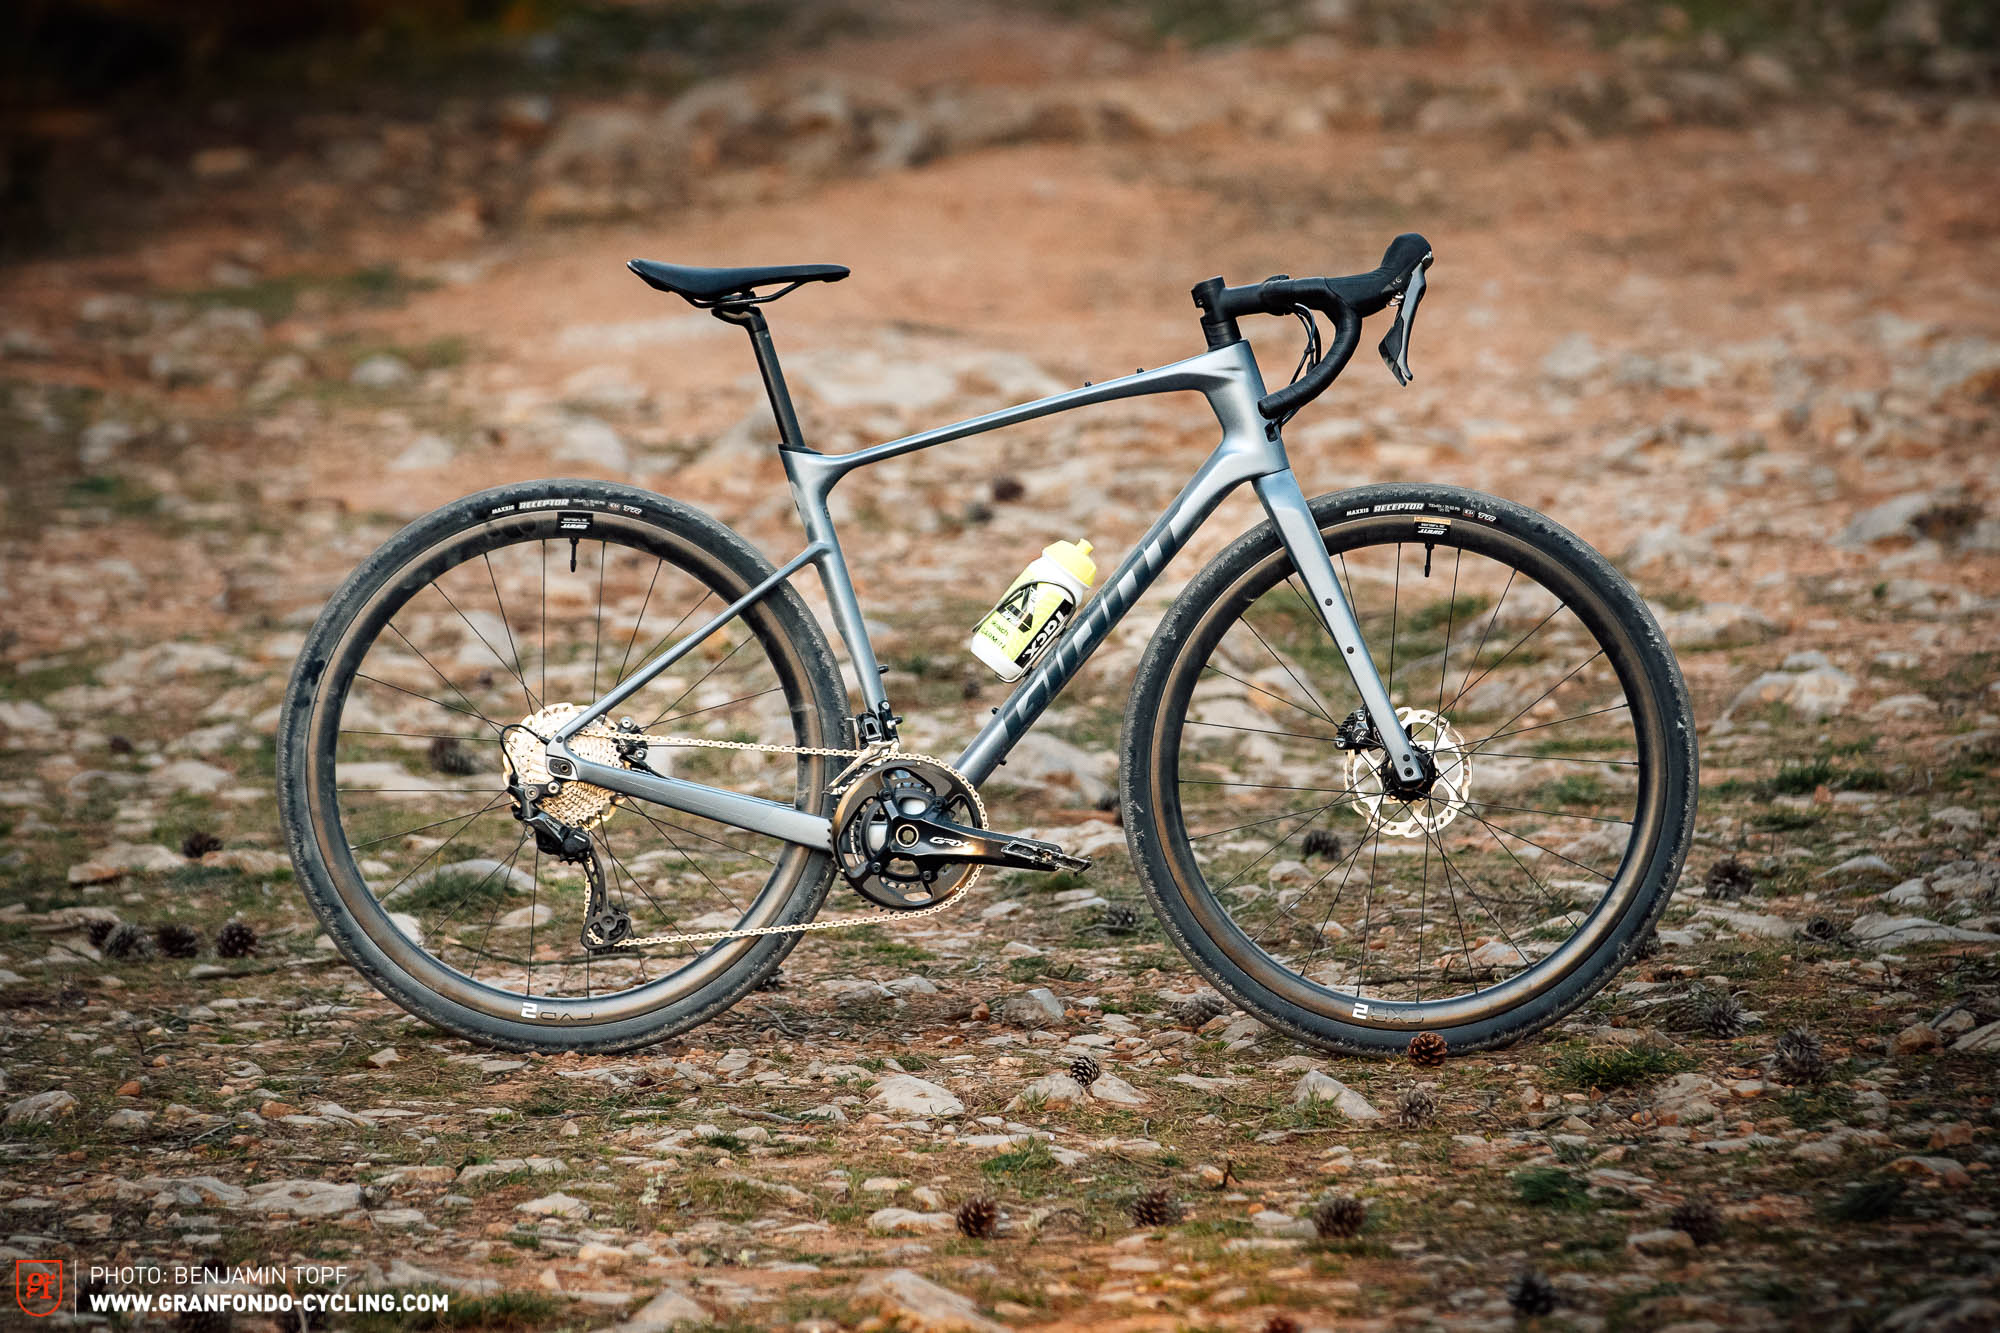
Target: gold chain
<point>880,749</point>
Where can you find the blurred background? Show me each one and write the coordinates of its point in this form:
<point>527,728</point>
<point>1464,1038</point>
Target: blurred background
<point>1717,286</point>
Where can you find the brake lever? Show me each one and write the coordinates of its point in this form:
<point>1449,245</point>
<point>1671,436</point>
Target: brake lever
<point>1395,344</point>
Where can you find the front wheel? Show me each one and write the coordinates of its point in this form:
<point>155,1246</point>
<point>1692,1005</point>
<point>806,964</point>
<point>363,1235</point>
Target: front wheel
<point>1483,909</point>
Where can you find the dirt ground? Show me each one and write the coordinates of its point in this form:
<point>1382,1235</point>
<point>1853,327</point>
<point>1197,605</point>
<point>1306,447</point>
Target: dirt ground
<point>1735,324</point>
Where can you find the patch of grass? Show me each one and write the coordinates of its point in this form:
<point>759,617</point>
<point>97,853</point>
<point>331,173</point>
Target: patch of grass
<point>451,889</point>
<point>1609,1067</point>
<point>1552,1187</point>
<point>1803,779</point>
<point>123,496</point>
<point>1447,611</point>
<point>1785,821</point>
<point>1030,1168</point>
<point>1573,789</point>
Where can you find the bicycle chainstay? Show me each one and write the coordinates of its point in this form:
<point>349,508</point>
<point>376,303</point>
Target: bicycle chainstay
<point>862,759</point>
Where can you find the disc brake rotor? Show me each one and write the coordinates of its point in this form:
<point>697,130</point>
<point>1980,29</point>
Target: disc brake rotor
<point>1448,795</point>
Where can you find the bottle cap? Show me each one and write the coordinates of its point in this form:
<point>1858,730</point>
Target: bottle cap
<point>1074,557</point>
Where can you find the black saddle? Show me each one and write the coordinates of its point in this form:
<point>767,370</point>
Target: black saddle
<point>716,286</point>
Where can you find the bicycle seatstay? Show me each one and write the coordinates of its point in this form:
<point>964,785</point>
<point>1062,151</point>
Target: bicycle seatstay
<point>1251,450</point>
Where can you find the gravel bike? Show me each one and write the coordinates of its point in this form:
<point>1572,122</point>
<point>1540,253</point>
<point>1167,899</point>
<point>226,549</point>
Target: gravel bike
<point>568,765</point>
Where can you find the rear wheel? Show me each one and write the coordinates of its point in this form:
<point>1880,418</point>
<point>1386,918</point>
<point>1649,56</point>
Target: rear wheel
<point>1483,909</point>
<point>508,608</point>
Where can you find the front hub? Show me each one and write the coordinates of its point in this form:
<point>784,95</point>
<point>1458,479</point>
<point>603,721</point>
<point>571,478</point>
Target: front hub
<point>1411,810</point>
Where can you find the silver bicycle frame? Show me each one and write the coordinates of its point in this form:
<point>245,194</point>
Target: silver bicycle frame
<point>1251,450</point>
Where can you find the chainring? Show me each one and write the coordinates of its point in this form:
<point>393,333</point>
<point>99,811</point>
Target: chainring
<point>902,786</point>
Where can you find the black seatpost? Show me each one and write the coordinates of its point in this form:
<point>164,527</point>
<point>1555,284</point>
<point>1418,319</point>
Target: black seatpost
<point>751,319</point>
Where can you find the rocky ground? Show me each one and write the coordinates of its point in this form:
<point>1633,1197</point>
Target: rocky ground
<point>1734,321</point>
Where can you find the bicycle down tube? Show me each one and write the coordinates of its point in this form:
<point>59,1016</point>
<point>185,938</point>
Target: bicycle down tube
<point>1250,451</point>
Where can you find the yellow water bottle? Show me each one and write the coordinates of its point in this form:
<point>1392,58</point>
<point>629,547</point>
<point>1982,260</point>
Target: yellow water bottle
<point>1037,607</point>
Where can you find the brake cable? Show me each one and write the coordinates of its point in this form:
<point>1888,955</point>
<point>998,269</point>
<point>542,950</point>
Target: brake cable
<point>1307,358</point>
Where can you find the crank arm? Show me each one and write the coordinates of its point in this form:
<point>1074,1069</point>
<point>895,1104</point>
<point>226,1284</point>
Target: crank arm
<point>943,840</point>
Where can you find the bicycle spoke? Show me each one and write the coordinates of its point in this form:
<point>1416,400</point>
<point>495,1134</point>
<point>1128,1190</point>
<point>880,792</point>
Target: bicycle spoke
<point>360,675</point>
<point>1541,848</point>
<point>1504,656</point>
<point>441,676</point>
<point>672,629</point>
<point>697,712</point>
<point>1472,746</point>
<point>597,637</point>
<point>1312,815</point>
<point>1266,786</point>
<point>513,670</point>
<point>658,565</point>
<point>698,684</point>
<point>1304,689</point>
<point>1261,731</point>
<point>1552,814</point>
<point>664,824</point>
<point>1474,662</point>
<point>357,846</point>
<point>534,704</point>
<point>1253,824</point>
<point>1553,688</point>
<point>1451,621</point>
<point>1267,694</point>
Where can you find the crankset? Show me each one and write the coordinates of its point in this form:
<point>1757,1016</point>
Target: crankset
<point>911,832</point>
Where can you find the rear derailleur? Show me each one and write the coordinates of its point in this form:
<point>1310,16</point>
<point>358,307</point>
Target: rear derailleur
<point>605,925</point>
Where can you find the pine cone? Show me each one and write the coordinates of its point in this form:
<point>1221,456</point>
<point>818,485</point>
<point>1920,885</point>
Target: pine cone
<point>1340,1218</point>
<point>1699,1219</point>
<point>1868,1201</point>
<point>1716,1011</point>
<point>99,931</point>
<point>127,941</point>
<point>1199,1009</point>
<point>1730,878</point>
<point>448,756</point>
<point>1119,919</point>
<point>1428,1049</point>
<point>1418,1108</point>
<point>199,844</point>
<point>1281,1323</point>
<point>978,1218</point>
<point>176,940</point>
<point>1155,1208</point>
<point>235,940</point>
<point>1531,1294</point>
<point>1322,842</point>
<point>1085,1070</point>
<point>1799,1057</point>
